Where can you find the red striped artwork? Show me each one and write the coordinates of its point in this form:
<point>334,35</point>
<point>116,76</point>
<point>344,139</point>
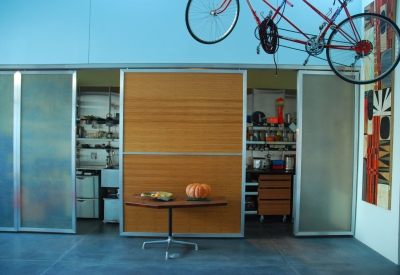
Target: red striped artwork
<point>378,119</point>
<point>377,111</point>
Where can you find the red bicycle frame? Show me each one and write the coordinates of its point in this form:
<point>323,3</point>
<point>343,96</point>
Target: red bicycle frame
<point>223,7</point>
<point>330,22</point>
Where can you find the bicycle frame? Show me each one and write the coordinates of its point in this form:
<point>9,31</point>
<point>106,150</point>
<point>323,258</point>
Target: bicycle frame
<point>329,22</point>
<point>366,43</point>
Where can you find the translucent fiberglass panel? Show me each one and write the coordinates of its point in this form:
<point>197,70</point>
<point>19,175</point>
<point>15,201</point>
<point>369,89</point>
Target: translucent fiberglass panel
<point>327,154</point>
<point>6,151</point>
<point>45,157</point>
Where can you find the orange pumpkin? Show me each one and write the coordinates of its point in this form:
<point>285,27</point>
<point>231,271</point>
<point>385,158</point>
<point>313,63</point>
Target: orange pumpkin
<point>198,190</point>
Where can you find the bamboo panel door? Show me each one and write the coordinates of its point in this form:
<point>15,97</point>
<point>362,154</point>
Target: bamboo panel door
<point>181,127</point>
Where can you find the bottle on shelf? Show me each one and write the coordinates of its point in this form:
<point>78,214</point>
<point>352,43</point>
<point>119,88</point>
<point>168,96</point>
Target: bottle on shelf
<point>279,104</point>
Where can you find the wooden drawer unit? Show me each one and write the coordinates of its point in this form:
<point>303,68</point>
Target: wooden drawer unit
<point>274,207</point>
<point>274,194</point>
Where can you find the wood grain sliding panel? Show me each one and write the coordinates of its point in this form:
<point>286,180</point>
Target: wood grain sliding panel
<point>172,174</point>
<point>183,112</point>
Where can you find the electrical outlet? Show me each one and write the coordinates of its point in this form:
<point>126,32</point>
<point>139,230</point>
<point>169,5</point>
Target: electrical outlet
<point>94,155</point>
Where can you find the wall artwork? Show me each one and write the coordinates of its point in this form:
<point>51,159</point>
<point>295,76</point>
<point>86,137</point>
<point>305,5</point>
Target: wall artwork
<point>378,117</point>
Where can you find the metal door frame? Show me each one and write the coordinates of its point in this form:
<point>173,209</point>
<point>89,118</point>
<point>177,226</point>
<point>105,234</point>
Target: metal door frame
<point>297,181</point>
<point>17,151</point>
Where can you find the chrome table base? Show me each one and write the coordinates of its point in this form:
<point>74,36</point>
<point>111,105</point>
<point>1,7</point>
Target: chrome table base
<point>170,238</point>
<point>169,241</point>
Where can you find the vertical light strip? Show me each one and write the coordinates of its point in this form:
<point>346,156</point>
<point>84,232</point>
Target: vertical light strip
<point>121,150</point>
<point>73,150</point>
<point>244,154</point>
<point>16,149</point>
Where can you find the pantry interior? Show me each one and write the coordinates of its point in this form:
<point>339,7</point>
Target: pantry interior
<point>263,89</point>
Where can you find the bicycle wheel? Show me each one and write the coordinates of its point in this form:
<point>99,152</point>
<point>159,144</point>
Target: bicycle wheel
<point>375,54</point>
<point>210,21</point>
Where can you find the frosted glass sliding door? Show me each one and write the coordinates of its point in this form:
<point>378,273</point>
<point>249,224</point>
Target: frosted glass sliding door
<point>326,155</point>
<point>46,157</point>
<point>7,200</point>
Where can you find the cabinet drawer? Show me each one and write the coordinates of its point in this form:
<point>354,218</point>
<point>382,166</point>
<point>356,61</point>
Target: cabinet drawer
<point>87,208</point>
<point>111,210</point>
<point>276,184</point>
<point>273,207</point>
<point>110,178</point>
<point>274,177</point>
<point>274,193</point>
<point>87,187</point>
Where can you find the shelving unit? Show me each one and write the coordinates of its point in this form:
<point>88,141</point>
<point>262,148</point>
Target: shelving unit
<point>254,185</point>
<point>98,120</point>
<point>264,101</point>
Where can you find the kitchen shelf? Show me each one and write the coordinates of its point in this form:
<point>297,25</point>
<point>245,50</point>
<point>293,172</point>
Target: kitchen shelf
<point>250,212</point>
<point>267,125</point>
<point>251,183</point>
<point>251,193</point>
<point>98,148</point>
<point>89,122</point>
<point>97,139</point>
<point>89,167</point>
<point>271,142</point>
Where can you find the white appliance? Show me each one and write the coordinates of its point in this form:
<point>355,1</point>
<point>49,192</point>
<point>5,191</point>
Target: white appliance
<point>111,210</point>
<point>87,196</point>
<point>110,180</point>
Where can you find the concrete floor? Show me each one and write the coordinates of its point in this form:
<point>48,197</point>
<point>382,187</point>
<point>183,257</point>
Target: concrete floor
<point>268,248</point>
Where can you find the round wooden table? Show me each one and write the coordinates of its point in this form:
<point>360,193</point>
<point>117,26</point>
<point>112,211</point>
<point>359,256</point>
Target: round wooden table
<point>178,202</point>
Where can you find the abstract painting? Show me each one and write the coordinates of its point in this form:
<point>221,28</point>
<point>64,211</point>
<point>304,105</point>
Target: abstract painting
<point>378,119</point>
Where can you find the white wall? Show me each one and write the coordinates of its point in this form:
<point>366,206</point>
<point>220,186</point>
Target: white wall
<point>376,227</point>
<point>135,31</point>
<point>44,32</point>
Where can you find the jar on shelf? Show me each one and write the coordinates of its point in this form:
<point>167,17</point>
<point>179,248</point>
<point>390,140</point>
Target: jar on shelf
<point>255,135</point>
<point>290,136</point>
<point>278,136</point>
<point>250,134</point>
<point>261,135</point>
<point>284,136</point>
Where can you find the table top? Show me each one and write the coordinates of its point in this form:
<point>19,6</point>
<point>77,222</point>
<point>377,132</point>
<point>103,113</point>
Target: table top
<point>178,202</point>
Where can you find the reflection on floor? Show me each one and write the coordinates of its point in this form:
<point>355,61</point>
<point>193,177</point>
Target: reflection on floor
<point>267,248</point>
